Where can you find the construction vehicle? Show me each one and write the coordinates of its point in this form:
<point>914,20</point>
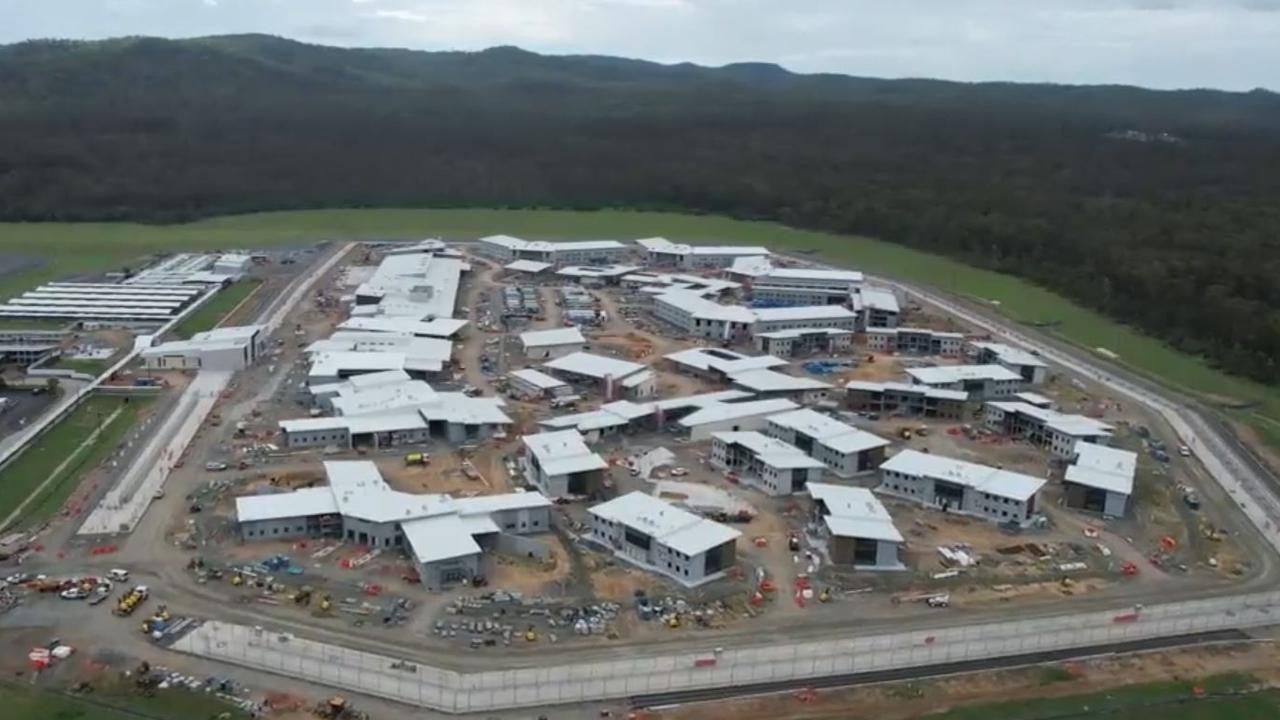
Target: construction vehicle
<point>326,603</point>
<point>905,433</point>
<point>131,600</point>
<point>417,459</point>
<point>303,596</point>
<point>338,708</point>
<point>530,635</point>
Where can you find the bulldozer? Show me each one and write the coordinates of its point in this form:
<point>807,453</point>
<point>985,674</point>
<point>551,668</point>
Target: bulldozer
<point>337,708</point>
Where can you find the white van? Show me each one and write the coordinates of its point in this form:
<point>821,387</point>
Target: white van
<point>118,575</point>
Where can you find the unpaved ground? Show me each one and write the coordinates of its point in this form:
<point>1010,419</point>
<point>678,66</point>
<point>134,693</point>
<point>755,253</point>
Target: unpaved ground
<point>902,701</point>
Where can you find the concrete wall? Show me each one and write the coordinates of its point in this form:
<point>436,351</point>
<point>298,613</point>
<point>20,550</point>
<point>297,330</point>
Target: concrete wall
<point>541,683</point>
<point>445,573</point>
<point>320,438</point>
<point>279,529</point>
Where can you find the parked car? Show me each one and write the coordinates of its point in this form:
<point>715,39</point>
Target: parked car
<point>215,466</point>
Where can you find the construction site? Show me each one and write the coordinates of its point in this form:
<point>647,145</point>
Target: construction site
<point>448,452</point>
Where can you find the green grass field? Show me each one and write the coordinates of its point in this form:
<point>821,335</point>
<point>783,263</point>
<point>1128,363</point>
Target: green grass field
<point>88,367</point>
<point>208,316</point>
<point>22,702</point>
<point>95,247</point>
<point>1167,701</point>
<point>21,477</point>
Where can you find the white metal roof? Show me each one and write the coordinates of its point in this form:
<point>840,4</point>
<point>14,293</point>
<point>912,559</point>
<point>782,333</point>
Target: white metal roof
<point>770,451</point>
<point>538,379</point>
<point>948,374</point>
<point>801,332</point>
<point>981,478</point>
<point>851,277</point>
<point>678,529</point>
<point>382,398</point>
<point>505,501</point>
<point>803,312</point>
<point>1011,355</point>
<point>459,408</point>
<point>594,366</point>
<point>832,433</point>
<point>922,390</point>
<point>939,334</point>
<point>515,243</point>
<point>1034,399</point>
<point>762,381</point>
<point>1103,467</point>
<point>277,506</point>
<point>639,378</point>
<point>366,381</point>
<point>596,271</point>
<point>855,512</point>
<point>1074,425</point>
<point>529,266</point>
<point>663,245</point>
<point>878,299</point>
<point>695,304</point>
<point>552,338</point>
<point>723,360</point>
<point>419,286</point>
<point>385,422</point>
<point>563,452</point>
<point>442,537</point>
<point>439,327</point>
<point>731,411</point>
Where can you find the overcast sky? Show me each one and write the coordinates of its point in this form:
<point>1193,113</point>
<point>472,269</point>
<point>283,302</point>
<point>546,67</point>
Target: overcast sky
<point>1230,44</point>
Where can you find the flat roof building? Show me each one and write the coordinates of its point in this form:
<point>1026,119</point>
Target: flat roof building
<point>1057,432</point>
<point>408,326</point>
<point>961,487</point>
<point>768,464</point>
<point>857,528</point>
<point>662,538</point>
<point>103,302</point>
<point>835,317</point>
<point>451,417</point>
<point>846,450</point>
<point>226,348</point>
<point>804,286</point>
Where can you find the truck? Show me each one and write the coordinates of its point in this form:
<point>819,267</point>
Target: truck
<point>417,458</point>
<point>131,600</point>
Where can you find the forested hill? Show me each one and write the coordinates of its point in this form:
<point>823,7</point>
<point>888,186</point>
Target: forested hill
<point>1161,208</point>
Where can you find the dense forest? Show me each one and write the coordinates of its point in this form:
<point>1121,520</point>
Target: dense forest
<point>1159,208</point>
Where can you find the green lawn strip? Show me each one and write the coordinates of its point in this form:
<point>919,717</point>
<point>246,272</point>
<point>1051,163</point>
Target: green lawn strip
<point>1164,700</point>
<point>207,316</point>
<point>22,476</point>
<point>23,702</point>
<point>103,246</point>
<point>86,366</point>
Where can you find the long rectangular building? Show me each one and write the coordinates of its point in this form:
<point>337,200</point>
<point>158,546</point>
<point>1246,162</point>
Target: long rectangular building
<point>1032,369</point>
<point>803,286</point>
<point>661,537</point>
<point>919,400</point>
<point>915,341</point>
<point>445,536</point>
<point>583,252</point>
<point>961,487</point>
<point>983,382</point>
<point>804,341</point>
<point>664,253</point>
<point>102,302</point>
